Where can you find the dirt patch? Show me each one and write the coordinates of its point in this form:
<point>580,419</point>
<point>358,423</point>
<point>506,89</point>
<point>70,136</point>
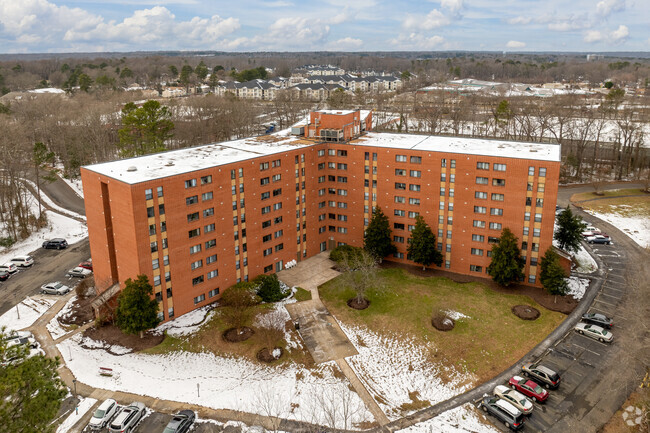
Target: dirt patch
<point>111,335</point>
<point>415,404</point>
<point>525,312</point>
<point>442,323</point>
<point>358,305</point>
<point>564,304</point>
<point>265,356</point>
<point>237,335</point>
<point>80,313</point>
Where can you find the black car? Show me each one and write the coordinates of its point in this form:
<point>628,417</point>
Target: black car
<point>4,275</point>
<point>598,319</point>
<point>509,415</point>
<point>181,422</point>
<point>56,244</point>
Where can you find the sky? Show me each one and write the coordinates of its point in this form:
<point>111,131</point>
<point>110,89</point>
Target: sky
<point>38,26</point>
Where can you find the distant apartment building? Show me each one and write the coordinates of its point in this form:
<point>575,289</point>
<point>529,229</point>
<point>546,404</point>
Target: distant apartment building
<point>199,220</point>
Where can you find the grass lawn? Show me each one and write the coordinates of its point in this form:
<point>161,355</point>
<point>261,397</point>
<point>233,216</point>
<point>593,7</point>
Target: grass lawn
<point>302,294</point>
<point>612,201</point>
<point>490,340</point>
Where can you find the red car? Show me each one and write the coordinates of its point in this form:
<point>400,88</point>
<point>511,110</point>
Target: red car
<point>86,265</point>
<point>528,388</point>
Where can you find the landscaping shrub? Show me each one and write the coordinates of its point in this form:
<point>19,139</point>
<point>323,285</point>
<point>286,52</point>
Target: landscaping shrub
<point>343,252</point>
<point>269,288</point>
<point>7,242</point>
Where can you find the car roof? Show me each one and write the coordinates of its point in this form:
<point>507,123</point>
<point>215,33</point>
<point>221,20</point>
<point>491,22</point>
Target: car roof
<point>501,388</point>
<point>518,378</point>
<point>507,406</point>
<point>546,369</point>
<point>106,403</point>
<point>22,258</point>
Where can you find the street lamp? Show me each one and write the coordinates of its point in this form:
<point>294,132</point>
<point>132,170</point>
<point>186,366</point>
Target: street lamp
<point>76,409</point>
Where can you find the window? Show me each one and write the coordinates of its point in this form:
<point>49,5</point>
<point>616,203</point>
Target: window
<point>190,183</point>
<point>483,165</point>
<point>400,172</point>
<point>152,229</point>
<point>480,194</point>
<point>264,181</point>
<point>452,178</point>
<point>208,212</point>
<point>155,263</point>
<point>199,298</point>
<point>482,180</point>
<point>539,202</point>
<point>480,209</point>
<point>495,226</point>
<point>450,220</point>
<point>195,249</point>
<point>206,179</point>
<point>211,259</point>
<point>414,187</point>
<point>531,171</point>
<point>399,185</point>
<point>277,220</point>
<point>267,238</point>
<point>194,232</point>
<point>442,192</point>
<point>499,167</point>
<point>493,240</point>
<point>453,163</point>
<point>413,214</point>
<point>159,190</point>
<point>532,278</point>
<point>400,199</point>
<point>496,211</point>
<point>154,246</point>
<point>540,187</point>
<point>267,252</point>
<point>526,229</point>
<point>197,264</point>
<point>156,280</point>
<point>264,166</point>
<point>192,200</point>
<point>398,226</point>
<point>398,212</point>
<point>479,224</point>
<point>450,206</point>
<point>451,192</point>
<point>498,182</point>
<point>542,172</point>
<point>533,261</point>
<point>210,244</point>
<point>477,252</point>
<point>415,173</point>
<point>448,248</point>
<point>266,224</point>
<point>206,196</point>
<point>321,166</point>
<point>192,217</point>
<point>279,247</point>
<point>400,158</point>
<point>321,179</point>
<point>266,209</point>
<point>342,192</point>
<point>212,274</point>
<point>443,177</point>
<point>478,238</point>
<point>214,292</point>
<point>277,234</point>
<point>148,194</point>
<point>536,232</point>
<point>414,201</point>
<point>497,197</point>
<point>277,206</point>
<point>538,217</point>
<point>320,153</point>
<point>276,177</point>
<point>475,268</point>
<point>416,160</point>
<point>277,192</point>
<point>441,206</point>
<point>343,205</point>
<point>527,216</point>
<point>342,166</point>
<point>150,213</point>
<point>399,239</point>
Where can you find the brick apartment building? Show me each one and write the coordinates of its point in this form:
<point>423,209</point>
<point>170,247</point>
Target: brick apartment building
<point>199,220</point>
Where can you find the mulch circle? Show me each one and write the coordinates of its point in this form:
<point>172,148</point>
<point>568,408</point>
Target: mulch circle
<point>236,335</point>
<point>442,323</point>
<point>265,356</point>
<point>525,312</point>
<point>111,335</point>
<point>354,303</point>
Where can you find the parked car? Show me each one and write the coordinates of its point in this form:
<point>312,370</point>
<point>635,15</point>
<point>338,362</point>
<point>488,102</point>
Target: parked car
<point>544,375</point>
<point>55,288</point>
<point>103,414</point>
<point>11,335</point>
<point>4,275</point>
<point>529,388</point>
<point>11,359</point>
<point>515,398</point>
<point>79,272</point>
<point>181,422</point>
<point>86,265</point>
<point>507,413</point>
<point>9,267</point>
<point>24,341</point>
<point>23,261</point>
<point>599,239</point>
<point>598,319</point>
<point>127,418</point>
<point>595,332</point>
<point>56,243</point>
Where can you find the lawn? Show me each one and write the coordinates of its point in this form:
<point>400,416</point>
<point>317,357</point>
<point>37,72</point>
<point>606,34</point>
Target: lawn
<point>615,202</point>
<point>491,339</point>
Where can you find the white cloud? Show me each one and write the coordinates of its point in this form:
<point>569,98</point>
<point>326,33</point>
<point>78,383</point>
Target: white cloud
<point>346,44</point>
<point>418,41</point>
<point>298,29</point>
<point>605,7</point>
<point>433,20</point>
<point>593,36</point>
<point>520,20</point>
<point>454,6</point>
<point>515,44</point>
<point>277,4</point>
<point>620,34</point>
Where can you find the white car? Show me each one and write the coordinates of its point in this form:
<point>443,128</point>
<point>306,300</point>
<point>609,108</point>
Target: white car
<point>79,272</point>
<point>595,332</point>
<point>104,413</point>
<point>55,288</point>
<point>23,261</point>
<point>9,267</point>
<point>515,398</point>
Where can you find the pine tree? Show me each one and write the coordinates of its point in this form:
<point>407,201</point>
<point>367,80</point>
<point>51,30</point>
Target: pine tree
<point>30,390</point>
<point>507,265</point>
<point>136,310</point>
<point>144,129</point>
<point>569,230</point>
<point>422,245</point>
<point>377,239</point>
<point>552,275</point>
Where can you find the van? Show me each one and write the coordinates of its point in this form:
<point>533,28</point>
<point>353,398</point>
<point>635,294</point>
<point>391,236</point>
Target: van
<point>23,261</point>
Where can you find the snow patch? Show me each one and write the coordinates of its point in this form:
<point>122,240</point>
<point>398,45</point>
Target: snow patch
<point>637,227</point>
<point>54,327</point>
<point>586,263</point>
<point>75,416</point>
<point>455,315</point>
<point>462,419</point>
<point>186,324</point>
<point>25,313</point>
<point>577,287</point>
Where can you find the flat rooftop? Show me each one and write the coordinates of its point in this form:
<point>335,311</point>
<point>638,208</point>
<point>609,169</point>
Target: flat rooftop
<point>160,165</point>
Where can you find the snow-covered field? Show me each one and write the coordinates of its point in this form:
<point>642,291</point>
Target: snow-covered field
<point>391,368</point>
<point>637,227</point>
<point>84,406</point>
<point>577,287</point>
<point>54,327</point>
<point>29,310</point>
<point>586,263</point>
<point>462,419</point>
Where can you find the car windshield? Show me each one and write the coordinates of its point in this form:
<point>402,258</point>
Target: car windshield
<point>99,413</point>
<point>57,285</point>
<point>169,430</point>
<point>537,389</point>
<point>522,402</point>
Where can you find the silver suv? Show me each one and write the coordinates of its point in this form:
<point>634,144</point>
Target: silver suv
<point>127,418</point>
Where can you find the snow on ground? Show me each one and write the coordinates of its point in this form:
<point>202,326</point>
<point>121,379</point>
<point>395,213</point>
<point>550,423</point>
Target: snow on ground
<point>54,327</point>
<point>84,406</point>
<point>462,419</point>
<point>29,310</point>
<point>455,315</point>
<point>637,227</point>
<point>391,368</point>
<point>186,324</point>
<point>225,382</point>
<point>586,263</point>
<point>577,287</point>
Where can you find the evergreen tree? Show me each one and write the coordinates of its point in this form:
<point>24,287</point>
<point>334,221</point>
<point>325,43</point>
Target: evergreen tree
<point>507,265</point>
<point>85,82</point>
<point>185,77</point>
<point>145,129</point>
<point>201,71</point>
<point>569,230</point>
<point>377,240</point>
<point>30,390</point>
<point>552,275</point>
<point>43,161</point>
<point>269,288</point>
<point>422,245</point>
<point>136,310</point>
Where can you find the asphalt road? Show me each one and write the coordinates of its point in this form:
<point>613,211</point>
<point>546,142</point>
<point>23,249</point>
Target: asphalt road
<point>64,196</point>
<point>49,265</point>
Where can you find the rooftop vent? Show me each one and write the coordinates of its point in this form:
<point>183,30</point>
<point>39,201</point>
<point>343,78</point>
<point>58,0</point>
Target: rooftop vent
<point>132,168</point>
<point>169,164</point>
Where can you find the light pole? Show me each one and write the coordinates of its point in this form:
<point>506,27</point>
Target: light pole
<point>198,394</point>
<point>76,409</point>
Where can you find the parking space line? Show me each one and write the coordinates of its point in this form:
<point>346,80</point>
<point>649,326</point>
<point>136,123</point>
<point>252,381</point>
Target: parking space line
<point>584,348</point>
<point>611,296</point>
<point>612,288</point>
<point>599,309</point>
<point>606,303</point>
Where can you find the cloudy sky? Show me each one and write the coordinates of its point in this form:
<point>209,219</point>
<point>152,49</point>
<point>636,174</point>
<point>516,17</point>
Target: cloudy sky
<point>31,26</point>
